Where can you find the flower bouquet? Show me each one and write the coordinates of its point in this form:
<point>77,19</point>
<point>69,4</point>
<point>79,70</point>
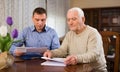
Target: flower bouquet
<point>6,40</point>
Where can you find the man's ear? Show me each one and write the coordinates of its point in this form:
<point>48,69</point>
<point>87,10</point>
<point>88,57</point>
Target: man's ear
<point>83,19</point>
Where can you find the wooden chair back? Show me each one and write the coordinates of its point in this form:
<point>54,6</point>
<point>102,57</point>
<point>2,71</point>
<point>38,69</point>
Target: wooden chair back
<point>107,41</point>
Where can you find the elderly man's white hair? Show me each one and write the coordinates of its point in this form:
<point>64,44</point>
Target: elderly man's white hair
<point>79,10</point>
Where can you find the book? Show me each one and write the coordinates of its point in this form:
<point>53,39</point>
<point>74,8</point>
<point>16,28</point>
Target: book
<point>53,61</point>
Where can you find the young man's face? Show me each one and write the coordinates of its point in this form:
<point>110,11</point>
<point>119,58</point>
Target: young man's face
<point>73,20</point>
<point>39,21</point>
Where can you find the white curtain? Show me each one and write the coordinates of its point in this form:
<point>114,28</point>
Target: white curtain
<point>57,15</point>
<point>21,12</point>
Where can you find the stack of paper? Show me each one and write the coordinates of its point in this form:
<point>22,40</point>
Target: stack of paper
<point>53,61</point>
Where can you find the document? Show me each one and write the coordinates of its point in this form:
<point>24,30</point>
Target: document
<point>53,61</point>
<point>32,49</point>
<point>21,49</point>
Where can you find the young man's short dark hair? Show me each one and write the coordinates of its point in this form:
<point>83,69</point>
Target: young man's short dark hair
<point>39,10</point>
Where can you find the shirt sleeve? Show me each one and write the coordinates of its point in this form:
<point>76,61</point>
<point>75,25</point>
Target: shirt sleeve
<point>63,50</point>
<point>55,41</point>
<point>17,44</point>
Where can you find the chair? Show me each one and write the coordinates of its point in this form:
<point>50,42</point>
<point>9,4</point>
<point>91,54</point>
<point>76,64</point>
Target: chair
<point>61,39</point>
<point>111,40</point>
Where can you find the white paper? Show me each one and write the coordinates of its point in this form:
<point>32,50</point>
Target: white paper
<point>21,49</point>
<point>31,49</point>
<point>53,61</point>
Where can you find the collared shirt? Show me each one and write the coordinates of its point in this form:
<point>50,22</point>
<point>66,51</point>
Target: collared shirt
<point>31,38</point>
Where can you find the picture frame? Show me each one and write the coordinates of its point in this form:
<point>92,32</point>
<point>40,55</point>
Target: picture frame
<point>105,21</point>
<point>115,20</point>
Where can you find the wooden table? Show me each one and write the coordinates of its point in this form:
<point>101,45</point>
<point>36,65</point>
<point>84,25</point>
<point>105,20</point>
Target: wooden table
<point>35,66</point>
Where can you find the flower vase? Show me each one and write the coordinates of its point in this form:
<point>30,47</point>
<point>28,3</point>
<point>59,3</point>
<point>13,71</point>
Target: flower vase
<point>6,60</point>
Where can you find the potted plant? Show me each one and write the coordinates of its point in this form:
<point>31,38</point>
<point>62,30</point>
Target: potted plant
<point>6,40</point>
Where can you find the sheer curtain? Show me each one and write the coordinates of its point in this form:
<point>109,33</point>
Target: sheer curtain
<point>21,12</point>
<point>57,15</point>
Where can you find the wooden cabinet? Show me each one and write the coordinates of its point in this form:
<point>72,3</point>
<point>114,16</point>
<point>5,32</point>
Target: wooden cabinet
<point>103,18</point>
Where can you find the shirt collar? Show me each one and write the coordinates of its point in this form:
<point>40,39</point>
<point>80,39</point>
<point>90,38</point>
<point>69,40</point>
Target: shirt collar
<point>44,29</point>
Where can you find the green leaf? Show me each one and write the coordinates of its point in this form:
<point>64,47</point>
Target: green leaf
<point>8,45</point>
<point>4,41</point>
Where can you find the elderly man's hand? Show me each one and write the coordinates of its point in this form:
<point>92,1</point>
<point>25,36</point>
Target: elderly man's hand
<point>71,60</point>
<point>48,54</point>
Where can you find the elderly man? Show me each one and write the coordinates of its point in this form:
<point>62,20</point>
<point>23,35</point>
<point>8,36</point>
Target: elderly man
<point>82,44</point>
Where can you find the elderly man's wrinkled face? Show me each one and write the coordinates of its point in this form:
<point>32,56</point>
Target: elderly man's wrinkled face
<point>39,21</point>
<point>74,21</point>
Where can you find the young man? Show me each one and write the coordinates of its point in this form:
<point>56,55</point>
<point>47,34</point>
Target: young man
<point>38,35</point>
<point>82,44</point>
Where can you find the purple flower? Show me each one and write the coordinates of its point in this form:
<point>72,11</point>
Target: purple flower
<point>9,20</point>
<point>15,33</point>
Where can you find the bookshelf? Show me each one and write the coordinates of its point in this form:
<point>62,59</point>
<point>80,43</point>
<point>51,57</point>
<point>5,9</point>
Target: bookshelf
<point>103,18</point>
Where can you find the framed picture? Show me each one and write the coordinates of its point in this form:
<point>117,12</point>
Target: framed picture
<point>115,20</point>
<point>105,20</point>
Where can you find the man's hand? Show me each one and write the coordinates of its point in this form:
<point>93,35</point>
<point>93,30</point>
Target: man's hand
<point>71,60</point>
<point>48,54</point>
<point>18,53</point>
